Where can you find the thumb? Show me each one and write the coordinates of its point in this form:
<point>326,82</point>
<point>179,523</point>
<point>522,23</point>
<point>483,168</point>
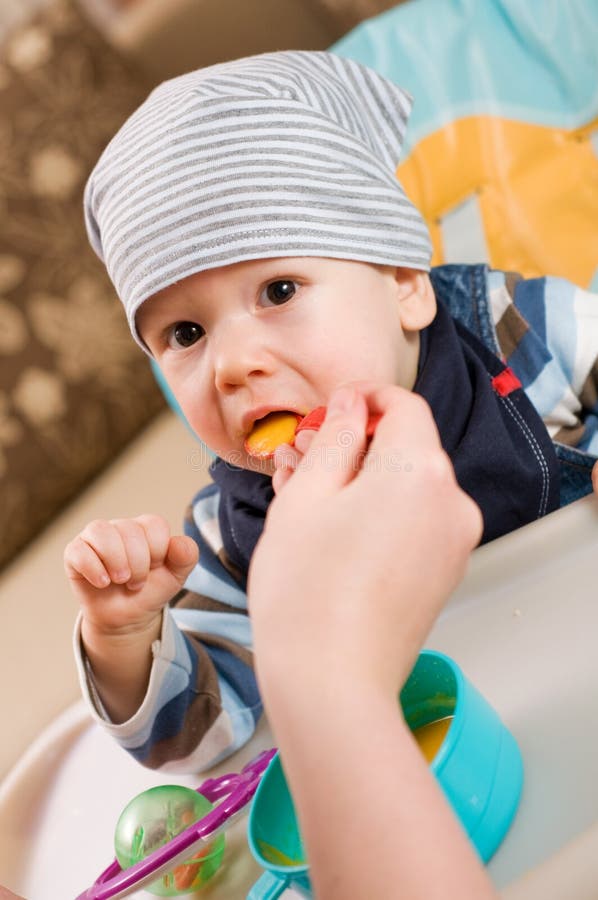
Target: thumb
<point>333,458</point>
<point>181,556</point>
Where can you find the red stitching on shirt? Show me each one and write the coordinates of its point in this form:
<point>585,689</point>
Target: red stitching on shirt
<point>506,382</point>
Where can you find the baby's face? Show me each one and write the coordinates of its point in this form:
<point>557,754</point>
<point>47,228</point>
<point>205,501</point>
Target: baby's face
<point>241,341</point>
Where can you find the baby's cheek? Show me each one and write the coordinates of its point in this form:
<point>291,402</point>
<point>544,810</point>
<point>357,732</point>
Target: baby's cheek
<point>207,428</point>
<point>363,358</point>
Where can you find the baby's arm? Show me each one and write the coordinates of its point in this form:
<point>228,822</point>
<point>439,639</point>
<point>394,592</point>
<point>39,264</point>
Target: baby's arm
<point>123,572</point>
<point>168,673</point>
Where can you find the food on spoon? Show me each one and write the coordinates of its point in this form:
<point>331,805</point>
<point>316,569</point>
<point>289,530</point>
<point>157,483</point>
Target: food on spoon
<point>281,427</point>
<point>313,420</point>
<point>270,432</point>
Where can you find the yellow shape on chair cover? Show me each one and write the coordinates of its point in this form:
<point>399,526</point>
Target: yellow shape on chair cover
<point>536,188</point>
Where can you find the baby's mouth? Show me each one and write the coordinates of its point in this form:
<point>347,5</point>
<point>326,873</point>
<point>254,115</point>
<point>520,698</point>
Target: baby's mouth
<point>280,427</point>
<point>270,432</point>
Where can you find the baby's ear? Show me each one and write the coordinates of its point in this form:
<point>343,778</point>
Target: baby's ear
<point>416,298</point>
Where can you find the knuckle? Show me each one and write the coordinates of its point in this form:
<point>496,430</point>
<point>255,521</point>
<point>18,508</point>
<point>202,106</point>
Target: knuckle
<point>98,524</point>
<point>155,528</point>
<point>97,528</point>
<point>131,532</point>
<point>77,559</point>
<point>476,520</point>
<point>417,401</point>
<point>69,550</point>
<point>153,521</point>
<point>439,468</point>
<point>123,525</point>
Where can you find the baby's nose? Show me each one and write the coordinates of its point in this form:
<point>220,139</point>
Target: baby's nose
<point>240,354</point>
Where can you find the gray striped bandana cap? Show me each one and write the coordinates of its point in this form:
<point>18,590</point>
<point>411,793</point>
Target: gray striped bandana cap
<point>282,154</point>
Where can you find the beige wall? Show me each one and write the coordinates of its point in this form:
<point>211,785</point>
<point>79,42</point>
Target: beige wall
<point>159,472</point>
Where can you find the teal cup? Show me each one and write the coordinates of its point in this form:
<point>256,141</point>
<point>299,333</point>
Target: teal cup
<point>478,764</point>
<point>274,838</point>
<point>472,754</point>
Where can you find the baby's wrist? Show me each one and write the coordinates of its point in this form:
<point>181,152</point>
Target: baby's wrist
<point>120,637</point>
<point>120,662</point>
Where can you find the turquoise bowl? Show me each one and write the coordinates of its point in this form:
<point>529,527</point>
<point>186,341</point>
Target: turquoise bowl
<point>478,766</point>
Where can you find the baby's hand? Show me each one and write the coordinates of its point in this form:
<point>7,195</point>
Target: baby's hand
<point>124,571</point>
<point>595,478</point>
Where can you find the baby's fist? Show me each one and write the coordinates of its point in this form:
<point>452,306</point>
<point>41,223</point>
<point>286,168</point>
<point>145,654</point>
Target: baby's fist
<point>124,571</point>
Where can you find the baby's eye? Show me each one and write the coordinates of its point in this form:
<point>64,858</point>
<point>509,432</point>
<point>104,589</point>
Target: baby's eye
<point>183,334</point>
<point>279,292</point>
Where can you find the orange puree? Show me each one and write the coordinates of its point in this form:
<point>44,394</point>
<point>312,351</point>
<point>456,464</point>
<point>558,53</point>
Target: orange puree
<point>277,857</point>
<point>429,737</point>
<point>270,432</point>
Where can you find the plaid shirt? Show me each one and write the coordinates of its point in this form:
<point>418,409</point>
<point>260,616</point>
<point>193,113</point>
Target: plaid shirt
<point>547,332</point>
<point>202,701</point>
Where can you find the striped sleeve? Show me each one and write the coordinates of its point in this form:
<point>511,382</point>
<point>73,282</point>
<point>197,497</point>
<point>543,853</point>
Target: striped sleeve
<point>202,701</point>
<point>547,329</point>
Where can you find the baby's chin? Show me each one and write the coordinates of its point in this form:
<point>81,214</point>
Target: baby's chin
<point>240,459</point>
<point>256,464</point>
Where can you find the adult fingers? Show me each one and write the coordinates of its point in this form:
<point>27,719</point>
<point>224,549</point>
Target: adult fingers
<point>286,460</point>
<point>407,440</point>
<point>472,520</point>
<point>303,441</point>
<point>405,417</point>
<point>280,478</point>
<point>336,451</point>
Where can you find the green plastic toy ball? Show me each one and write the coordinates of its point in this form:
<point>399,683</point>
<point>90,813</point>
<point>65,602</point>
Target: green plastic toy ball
<point>152,819</point>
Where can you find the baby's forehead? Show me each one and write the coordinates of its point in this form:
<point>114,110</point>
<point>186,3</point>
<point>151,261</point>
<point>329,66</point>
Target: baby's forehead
<point>167,299</point>
<point>204,288</point>
<point>207,285</point>
<point>285,153</point>
<point>250,274</point>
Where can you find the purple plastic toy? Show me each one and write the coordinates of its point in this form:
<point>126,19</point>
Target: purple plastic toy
<point>234,791</point>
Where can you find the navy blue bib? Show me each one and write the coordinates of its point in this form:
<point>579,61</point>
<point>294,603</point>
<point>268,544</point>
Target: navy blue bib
<point>502,453</point>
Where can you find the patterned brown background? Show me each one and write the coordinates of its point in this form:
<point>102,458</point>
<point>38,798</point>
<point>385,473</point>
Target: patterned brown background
<point>74,388</point>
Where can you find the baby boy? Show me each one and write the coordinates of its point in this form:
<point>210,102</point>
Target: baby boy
<point>252,224</point>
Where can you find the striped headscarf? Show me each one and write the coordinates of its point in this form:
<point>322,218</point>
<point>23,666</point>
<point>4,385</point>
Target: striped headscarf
<point>282,154</point>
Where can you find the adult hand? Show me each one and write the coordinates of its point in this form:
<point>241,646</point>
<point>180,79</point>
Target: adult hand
<point>359,553</point>
<point>360,550</point>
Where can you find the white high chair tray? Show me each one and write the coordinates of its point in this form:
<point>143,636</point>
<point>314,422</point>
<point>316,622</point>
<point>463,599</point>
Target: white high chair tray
<point>522,626</point>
